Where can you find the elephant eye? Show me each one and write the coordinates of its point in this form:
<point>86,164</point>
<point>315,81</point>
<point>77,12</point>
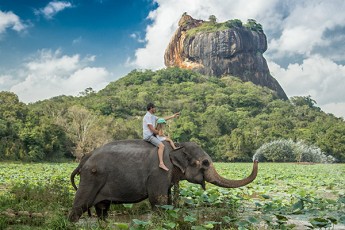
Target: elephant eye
<point>193,164</point>
<point>205,163</point>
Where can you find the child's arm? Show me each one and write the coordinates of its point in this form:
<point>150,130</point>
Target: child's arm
<point>161,133</point>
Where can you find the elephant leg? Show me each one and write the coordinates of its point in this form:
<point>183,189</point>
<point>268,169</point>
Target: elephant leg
<point>84,197</point>
<point>169,197</point>
<point>176,194</point>
<point>102,209</point>
<point>158,192</point>
<point>160,199</point>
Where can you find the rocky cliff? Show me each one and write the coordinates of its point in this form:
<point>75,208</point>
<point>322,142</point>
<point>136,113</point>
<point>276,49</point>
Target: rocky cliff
<point>218,49</point>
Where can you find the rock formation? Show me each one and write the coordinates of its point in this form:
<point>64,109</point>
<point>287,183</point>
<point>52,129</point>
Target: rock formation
<point>231,50</point>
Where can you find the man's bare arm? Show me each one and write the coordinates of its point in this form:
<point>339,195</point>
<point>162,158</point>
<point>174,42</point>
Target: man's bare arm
<point>173,116</point>
<point>155,131</point>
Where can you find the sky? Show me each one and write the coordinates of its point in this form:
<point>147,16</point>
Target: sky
<point>51,48</point>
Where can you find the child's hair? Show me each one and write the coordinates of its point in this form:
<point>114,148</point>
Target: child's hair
<point>160,126</point>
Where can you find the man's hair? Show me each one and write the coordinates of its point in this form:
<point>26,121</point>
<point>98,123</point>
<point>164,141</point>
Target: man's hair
<point>149,106</point>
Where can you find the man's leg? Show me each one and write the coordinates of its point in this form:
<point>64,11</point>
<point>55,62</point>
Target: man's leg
<point>156,142</point>
<point>160,157</point>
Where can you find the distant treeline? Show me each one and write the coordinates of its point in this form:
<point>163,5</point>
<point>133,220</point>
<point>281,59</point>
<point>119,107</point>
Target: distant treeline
<point>230,119</point>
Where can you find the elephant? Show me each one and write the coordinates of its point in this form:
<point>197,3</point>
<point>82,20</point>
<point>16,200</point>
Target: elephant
<point>126,171</point>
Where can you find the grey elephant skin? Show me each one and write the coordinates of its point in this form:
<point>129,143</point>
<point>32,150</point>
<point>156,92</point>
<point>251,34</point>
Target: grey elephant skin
<point>127,172</point>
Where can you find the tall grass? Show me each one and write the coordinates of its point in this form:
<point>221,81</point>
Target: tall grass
<point>40,206</point>
<point>280,192</point>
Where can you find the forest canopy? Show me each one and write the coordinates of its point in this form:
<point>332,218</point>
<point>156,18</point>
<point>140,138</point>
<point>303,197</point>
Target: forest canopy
<point>229,118</point>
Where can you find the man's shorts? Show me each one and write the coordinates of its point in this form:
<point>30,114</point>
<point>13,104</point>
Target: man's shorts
<point>154,140</point>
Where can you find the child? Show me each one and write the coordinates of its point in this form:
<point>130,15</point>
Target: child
<point>160,127</point>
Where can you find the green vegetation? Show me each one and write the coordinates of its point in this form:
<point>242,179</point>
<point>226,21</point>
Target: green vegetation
<point>39,196</point>
<point>234,23</point>
<point>207,27</point>
<point>253,25</point>
<point>212,26</point>
<point>228,118</point>
<point>212,19</point>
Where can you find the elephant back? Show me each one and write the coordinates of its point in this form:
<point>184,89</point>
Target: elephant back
<point>123,153</point>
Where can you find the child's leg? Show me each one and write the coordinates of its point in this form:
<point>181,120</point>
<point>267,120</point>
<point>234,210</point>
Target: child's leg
<point>171,143</point>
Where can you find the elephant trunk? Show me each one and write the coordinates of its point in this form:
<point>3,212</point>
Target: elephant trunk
<point>213,177</point>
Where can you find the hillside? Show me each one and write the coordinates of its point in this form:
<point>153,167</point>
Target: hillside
<point>228,118</point>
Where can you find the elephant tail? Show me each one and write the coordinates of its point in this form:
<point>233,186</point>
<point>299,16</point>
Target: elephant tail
<point>77,170</point>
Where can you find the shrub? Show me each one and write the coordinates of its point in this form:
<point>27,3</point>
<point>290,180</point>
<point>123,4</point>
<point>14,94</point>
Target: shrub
<point>213,19</point>
<point>253,25</point>
<point>237,23</point>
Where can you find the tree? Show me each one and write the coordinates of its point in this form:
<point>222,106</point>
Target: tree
<point>212,19</point>
<point>304,101</point>
<point>12,117</point>
<point>237,23</point>
<point>85,129</point>
<point>87,91</point>
<point>42,139</point>
<point>230,119</point>
<point>253,25</point>
<point>11,108</point>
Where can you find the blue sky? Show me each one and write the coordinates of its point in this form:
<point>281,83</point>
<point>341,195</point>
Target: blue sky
<point>50,48</point>
<point>104,30</point>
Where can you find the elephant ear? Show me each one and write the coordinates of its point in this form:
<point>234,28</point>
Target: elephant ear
<point>180,159</point>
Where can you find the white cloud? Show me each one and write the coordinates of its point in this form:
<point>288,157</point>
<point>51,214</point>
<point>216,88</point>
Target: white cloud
<point>10,20</point>
<point>296,40</point>
<point>52,74</point>
<point>304,27</point>
<point>6,81</point>
<point>54,7</point>
<point>338,109</point>
<point>319,77</point>
<point>49,62</point>
<point>136,36</point>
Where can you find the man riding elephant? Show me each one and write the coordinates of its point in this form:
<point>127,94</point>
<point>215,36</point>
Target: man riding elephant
<point>149,132</point>
<point>127,171</point>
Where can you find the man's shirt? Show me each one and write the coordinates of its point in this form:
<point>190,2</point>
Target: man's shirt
<point>147,120</point>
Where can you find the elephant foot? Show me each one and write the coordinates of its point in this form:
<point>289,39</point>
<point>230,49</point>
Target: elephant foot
<point>102,209</point>
<point>101,213</point>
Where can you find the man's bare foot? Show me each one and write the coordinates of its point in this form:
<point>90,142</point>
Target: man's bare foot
<point>162,166</point>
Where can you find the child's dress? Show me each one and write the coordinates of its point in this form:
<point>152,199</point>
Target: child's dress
<point>161,136</point>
